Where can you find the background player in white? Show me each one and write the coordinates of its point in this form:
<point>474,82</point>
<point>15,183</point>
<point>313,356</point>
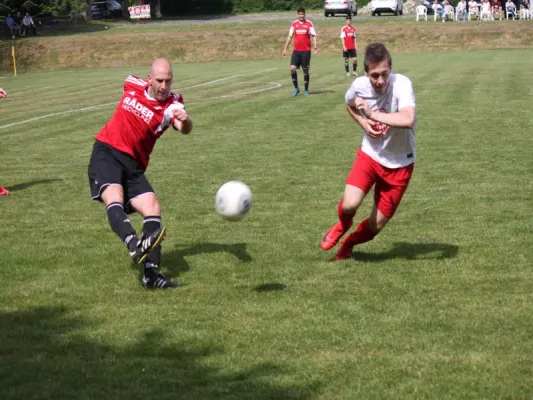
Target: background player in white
<point>120,156</point>
<point>383,104</point>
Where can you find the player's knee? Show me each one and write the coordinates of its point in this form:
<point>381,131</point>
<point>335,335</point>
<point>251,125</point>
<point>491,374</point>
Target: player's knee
<point>147,204</point>
<point>112,194</point>
<point>306,71</point>
<point>292,68</point>
<point>350,205</point>
<point>378,223</point>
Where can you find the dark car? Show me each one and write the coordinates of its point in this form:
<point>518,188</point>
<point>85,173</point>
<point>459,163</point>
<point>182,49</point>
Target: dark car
<point>106,9</point>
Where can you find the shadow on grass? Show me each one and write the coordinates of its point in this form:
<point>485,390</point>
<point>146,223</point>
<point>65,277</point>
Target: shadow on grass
<point>411,251</point>
<point>45,355</point>
<point>175,260</point>
<point>25,185</point>
<point>270,287</point>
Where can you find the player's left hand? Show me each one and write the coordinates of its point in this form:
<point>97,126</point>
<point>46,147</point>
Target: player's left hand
<point>316,51</point>
<point>3,93</point>
<point>180,115</point>
<point>363,107</point>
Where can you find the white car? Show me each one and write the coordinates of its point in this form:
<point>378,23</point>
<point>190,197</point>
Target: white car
<point>386,6</point>
<point>332,7</point>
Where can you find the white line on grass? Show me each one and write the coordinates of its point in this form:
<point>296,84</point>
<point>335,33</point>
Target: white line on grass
<point>275,85</point>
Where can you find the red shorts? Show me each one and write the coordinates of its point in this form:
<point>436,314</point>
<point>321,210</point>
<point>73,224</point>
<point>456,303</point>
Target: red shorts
<point>391,183</point>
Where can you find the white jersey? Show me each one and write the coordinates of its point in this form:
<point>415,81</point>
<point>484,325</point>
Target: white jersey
<point>396,148</point>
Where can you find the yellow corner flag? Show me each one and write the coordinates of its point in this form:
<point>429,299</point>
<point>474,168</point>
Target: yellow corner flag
<point>14,60</point>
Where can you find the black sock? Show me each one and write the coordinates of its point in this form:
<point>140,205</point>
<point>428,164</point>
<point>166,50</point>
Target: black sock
<point>354,67</point>
<point>121,225</point>
<point>150,225</point>
<point>306,81</point>
<point>347,69</point>
<point>294,76</point>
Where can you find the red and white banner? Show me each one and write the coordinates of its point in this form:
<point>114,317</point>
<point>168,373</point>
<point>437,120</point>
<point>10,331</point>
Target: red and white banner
<point>137,12</point>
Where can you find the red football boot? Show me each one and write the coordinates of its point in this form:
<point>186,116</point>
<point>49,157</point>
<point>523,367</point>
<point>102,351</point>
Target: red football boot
<point>344,253</point>
<point>4,191</point>
<point>333,235</point>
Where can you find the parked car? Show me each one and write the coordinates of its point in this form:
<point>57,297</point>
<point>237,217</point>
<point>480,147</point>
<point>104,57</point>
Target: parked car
<point>332,7</point>
<point>106,9</point>
<point>386,6</point>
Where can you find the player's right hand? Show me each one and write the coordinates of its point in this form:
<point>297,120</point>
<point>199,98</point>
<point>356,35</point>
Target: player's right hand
<point>3,93</point>
<point>369,126</point>
<point>284,54</point>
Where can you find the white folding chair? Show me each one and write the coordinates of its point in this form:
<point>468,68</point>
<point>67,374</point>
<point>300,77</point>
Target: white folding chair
<point>473,12</point>
<point>509,12</point>
<point>421,11</point>
<point>497,13</point>
<point>524,12</point>
<point>486,14</point>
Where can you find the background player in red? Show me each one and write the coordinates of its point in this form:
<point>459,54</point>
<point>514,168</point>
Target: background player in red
<point>349,46</point>
<point>120,157</point>
<point>383,104</point>
<point>302,30</point>
<point>3,191</point>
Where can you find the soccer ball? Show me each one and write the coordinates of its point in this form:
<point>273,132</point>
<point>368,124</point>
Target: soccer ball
<point>233,200</point>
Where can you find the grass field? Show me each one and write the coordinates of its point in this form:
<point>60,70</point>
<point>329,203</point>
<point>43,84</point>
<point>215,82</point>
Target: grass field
<point>439,305</point>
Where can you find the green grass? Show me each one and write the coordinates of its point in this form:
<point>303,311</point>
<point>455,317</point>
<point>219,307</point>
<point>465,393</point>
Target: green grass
<point>439,305</point>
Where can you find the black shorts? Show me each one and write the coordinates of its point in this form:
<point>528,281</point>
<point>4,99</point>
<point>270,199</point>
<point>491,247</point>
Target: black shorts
<point>352,53</point>
<point>111,166</point>
<point>301,59</point>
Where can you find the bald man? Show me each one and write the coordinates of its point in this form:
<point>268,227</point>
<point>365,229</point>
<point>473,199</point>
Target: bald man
<point>120,157</point>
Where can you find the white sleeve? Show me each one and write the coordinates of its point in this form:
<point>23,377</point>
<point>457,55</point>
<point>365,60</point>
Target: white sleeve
<point>291,31</point>
<point>312,31</point>
<point>343,35</point>
<point>351,94</point>
<point>405,93</point>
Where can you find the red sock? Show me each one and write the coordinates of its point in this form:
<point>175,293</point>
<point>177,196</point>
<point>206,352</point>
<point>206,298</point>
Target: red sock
<point>362,234</point>
<point>345,218</point>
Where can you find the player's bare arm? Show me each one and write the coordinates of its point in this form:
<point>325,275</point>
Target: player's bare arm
<point>365,123</point>
<point>3,93</point>
<point>182,121</point>
<point>403,118</point>
<point>287,42</point>
<point>316,47</point>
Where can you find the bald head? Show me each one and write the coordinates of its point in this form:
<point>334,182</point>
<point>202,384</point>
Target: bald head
<point>161,65</point>
<point>160,79</point>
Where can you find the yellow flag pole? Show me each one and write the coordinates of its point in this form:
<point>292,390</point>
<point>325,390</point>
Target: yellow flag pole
<point>14,60</point>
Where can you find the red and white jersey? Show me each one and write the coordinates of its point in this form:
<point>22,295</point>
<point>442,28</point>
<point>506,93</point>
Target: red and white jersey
<point>139,120</point>
<point>397,146</point>
<point>348,35</point>
<point>302,32</point>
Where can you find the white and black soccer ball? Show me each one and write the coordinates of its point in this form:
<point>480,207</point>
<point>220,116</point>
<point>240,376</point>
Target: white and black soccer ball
<point>233,200</point>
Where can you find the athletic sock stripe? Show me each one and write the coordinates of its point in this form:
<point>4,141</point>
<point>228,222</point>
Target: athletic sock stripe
<point>152,220</point>
<point>116,204</point>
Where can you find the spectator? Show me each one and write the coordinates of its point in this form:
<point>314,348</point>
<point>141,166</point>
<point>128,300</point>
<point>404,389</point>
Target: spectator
<point>473,9</point>
<point>486,12</point>
<point>461,10</point>
<point>496,9</point>
<point>28,25</point>
<point>448,10</point>
<point>511,8</point>
<point>14,29</point>
<point>438,9</point>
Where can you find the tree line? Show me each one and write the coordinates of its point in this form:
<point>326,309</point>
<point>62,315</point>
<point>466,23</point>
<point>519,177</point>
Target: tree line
<point>76,8</point>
